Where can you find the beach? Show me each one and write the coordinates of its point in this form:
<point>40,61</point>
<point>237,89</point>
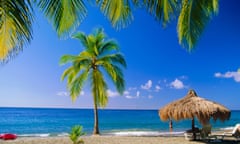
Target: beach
<point>51,126</point>
<point>113,140</point>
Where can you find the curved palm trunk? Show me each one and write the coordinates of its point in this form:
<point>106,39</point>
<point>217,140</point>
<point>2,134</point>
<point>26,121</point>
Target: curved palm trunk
<point>96,129</point>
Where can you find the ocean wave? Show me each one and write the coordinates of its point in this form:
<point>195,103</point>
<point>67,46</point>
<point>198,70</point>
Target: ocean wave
<point>43,135</point>
<point>227,128</point>
<point>145,133</point>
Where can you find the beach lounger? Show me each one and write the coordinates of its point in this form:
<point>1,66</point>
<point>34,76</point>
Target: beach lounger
<point>235,133</point>
<point>189,134</point>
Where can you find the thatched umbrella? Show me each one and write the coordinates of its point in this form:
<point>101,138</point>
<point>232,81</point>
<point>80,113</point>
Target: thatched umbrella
<point>193,106</point>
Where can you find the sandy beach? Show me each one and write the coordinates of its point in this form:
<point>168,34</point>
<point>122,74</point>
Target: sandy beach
<point>113,140</point>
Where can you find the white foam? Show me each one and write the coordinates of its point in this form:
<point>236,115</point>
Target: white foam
<point>63,134</point>
<point>35,135</point>
<point>145,133</point>
<point>227,128</point>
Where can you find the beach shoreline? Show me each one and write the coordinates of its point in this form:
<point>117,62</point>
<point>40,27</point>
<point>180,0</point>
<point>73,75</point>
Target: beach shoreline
<point>110,139</point>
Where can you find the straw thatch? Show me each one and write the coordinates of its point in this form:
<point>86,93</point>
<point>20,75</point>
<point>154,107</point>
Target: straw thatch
<point>193,106</point>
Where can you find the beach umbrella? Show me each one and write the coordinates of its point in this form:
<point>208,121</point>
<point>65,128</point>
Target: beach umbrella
<point>192,106</point>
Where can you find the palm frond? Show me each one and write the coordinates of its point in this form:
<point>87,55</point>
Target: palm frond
<point>107,47</point>
<point>99,88</point>
<point>117,11</point>
<point>85,40</point>
<point>76,85</point>
<point>65,15</point>
<point>67,58</point>
<point>194,16</point>
<point>15,27</point>
<point>116,75</point>
<point>162,10</point>
<point>116,59</point>
<point>82,64</point>
<point>67,73</point>
<point>120,84</point>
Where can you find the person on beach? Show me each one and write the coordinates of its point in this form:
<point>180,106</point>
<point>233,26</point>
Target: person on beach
<point>170,126</point>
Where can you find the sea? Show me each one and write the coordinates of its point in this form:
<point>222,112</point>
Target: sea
<point>45,122</point>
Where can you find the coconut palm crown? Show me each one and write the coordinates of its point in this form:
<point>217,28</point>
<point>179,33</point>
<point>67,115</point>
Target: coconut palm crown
<point>99,57</point>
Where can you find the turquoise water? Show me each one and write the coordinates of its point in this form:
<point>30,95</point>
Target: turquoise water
<point>55,122</point>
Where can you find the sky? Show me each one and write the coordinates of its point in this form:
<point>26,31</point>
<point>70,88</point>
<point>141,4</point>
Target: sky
<point>158,70</point>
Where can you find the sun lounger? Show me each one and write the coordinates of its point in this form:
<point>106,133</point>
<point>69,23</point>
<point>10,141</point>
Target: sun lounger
<point>235,133</point>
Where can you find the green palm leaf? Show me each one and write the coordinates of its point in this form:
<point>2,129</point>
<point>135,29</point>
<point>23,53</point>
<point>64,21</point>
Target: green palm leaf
<point>114,58</point>
<point>15,27</point>
<point>67,58</point>
<point>65,15</point>
<point>117,11</point>
<point>193,18</point>
<point>76,85</point>
<point>108,47</point>
<point>99,88</point>
<point>162,10</point>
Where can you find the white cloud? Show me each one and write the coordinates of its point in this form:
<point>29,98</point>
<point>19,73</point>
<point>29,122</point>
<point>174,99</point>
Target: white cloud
<point>128,96</point>
<point>138,94</point>
<point>150,96</point>
<point>177,84</point>
<point>112,93</point>
<point>62,93</point>
<point>132,88</point>
<point>147,86</point>
<point>183,77</point>
<point>234,75</point>
<point>126,92</point>
<point>82,93</point>
<point>157,88</point>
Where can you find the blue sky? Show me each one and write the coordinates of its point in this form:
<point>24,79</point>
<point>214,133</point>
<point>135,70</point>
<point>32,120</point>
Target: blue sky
<point>159,69</point>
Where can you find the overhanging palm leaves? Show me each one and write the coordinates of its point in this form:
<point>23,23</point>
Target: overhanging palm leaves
<point>99,57</point>
<point>15,26</point>
<point>193,18</point>
<point>193,15</point>
<point>66,16</point>
<point>117,11</point>
<point>162,10</point>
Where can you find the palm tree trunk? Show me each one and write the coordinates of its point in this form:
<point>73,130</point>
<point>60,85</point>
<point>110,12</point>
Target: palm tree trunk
<point>96,129</point>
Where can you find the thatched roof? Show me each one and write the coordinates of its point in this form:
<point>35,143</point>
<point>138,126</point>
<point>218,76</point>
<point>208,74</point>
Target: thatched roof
<point>193,106</point>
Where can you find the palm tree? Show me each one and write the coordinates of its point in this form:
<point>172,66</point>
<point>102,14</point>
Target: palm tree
<point>67,15</point>
<point>99,57</point>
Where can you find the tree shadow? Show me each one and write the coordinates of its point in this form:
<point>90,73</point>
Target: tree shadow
<point>220,142</point>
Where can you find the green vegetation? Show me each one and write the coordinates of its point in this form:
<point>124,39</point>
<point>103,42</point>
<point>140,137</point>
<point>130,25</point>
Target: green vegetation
<point>66,15</point>
<point>76,134</point>
<point>98,58</point>
<point>15,26</point>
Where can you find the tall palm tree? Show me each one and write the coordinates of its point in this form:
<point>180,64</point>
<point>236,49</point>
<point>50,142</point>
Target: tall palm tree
<point>67,15</point>
<point>98,58</point>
